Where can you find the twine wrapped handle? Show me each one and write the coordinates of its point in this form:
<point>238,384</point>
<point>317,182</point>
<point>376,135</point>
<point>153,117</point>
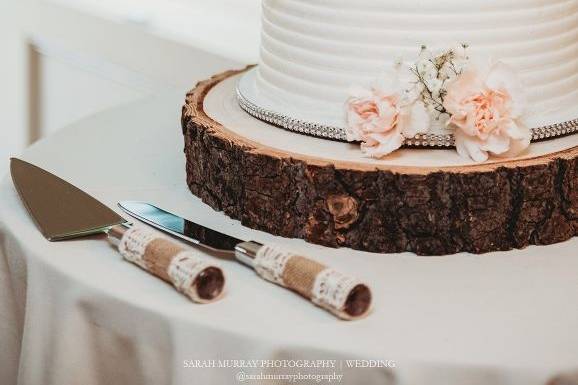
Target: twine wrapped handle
<point>344,296</point>
<point>190,274</point>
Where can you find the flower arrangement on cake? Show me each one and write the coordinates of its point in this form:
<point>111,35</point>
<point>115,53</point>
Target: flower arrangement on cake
<point>483,104</point>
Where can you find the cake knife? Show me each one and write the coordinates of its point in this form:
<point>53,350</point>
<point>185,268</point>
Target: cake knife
<point>345,297</point>
<point>62,211</point>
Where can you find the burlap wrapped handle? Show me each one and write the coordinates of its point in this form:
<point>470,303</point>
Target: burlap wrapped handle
<point>344,296</point>
<point>190,274</point>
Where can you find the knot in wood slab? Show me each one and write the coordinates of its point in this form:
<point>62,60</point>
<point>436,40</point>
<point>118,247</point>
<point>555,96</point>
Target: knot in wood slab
<point>344,209</point>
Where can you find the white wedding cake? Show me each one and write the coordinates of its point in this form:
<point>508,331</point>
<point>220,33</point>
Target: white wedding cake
<point>313,52</point>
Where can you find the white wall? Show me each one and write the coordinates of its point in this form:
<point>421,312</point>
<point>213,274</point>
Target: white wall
<point>72,87</point>
<point>13,67</point>
<point>62,60</point>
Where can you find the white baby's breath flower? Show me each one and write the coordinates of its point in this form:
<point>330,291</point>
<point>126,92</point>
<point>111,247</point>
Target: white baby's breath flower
<point>424,67</point>
<point>435,86</point>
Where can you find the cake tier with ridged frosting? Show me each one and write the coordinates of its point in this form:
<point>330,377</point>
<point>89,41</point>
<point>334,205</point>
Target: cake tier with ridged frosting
<point>313,51</point>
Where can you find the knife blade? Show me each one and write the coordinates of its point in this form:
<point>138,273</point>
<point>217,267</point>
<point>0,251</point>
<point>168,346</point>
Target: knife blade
<point>180,227</point>
<point>62,211</point>
<point>346,297</point>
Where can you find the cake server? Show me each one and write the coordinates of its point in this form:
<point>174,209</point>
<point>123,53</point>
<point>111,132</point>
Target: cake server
<point>62,211</point>
<point>346,297</point>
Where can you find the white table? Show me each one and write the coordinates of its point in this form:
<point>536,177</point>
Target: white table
<point>75,313</point>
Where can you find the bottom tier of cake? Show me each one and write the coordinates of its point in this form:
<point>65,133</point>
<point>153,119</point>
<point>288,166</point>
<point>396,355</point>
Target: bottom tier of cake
<point>424,201</point>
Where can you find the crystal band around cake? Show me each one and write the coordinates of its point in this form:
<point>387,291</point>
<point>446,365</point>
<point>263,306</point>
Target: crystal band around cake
<point>420,140</point>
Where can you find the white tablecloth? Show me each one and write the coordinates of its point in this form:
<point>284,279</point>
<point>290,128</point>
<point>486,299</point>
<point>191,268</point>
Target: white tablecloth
<point>75,313</point>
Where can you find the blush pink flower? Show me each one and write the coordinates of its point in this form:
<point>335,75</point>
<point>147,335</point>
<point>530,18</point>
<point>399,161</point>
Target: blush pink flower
<point>381,119</point>
<point>486,110</point>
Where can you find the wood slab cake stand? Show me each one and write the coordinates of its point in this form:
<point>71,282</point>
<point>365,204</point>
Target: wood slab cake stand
<point>378,207</point>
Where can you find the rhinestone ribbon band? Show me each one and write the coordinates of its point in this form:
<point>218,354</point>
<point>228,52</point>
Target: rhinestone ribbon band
<point>420,140</point>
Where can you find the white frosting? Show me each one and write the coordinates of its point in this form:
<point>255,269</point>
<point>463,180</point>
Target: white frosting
<point>312,51</point>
